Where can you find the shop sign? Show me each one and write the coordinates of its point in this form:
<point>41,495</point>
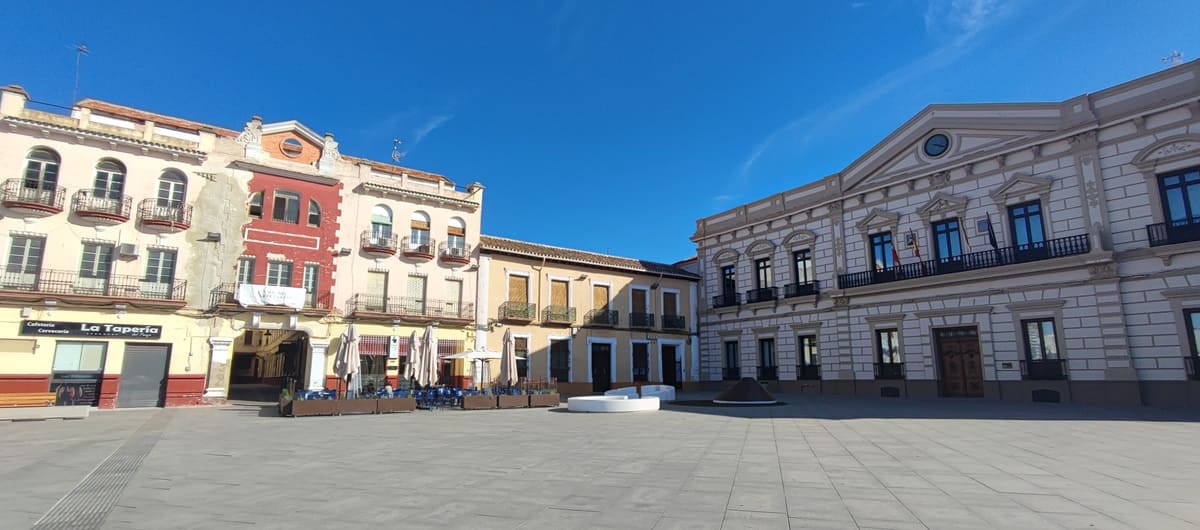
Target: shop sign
<point>89,329</point>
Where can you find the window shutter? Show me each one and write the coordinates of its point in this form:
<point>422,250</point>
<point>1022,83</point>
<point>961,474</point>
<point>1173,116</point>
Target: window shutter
<point>518,289</point>
<point>558,293</point>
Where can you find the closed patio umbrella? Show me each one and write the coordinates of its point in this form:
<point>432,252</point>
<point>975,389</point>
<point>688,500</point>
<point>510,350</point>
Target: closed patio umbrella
<point>428,369</point>
<point>348,362</point>
<point>412,360</point>
<point>508,361</point>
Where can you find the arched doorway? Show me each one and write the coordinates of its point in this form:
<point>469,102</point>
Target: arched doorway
<point>265,361</point>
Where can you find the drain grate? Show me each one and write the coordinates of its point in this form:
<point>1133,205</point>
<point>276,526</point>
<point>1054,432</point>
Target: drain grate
<point>88,504</point>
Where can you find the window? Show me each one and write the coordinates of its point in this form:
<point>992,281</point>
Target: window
<point>888,342</point>
<point>24,262</point>
<point>41,170</point>
<point>77,371</point>
<point>728,280</point>
<point>245,270</point>
<point>419,231</point>
<point>808,363</point>
<point>762,273</point>
<point>1040,340</point>
<point>414,297</point>
<point>286,207</point>
<point>314,213</point>
<point>1027,225</point>
<point>1181,196</point>
<point>730,367</point>
<point>560,360</point>
<point>172,189</point>
<point>453,302</point>
<point>883,254</point>
<point>381,222</point>
<point>97,260</point>
<point>521,351</point>
<point>110,180</point>
<point>641,361</point>
<point>160,266</point>
<point>947,240</point>
<point>256,205</point>
<point>767,367</point>
<point>456,234</point>
<point>311,272</point>
<point>279,273</point>
<point>802,266</point>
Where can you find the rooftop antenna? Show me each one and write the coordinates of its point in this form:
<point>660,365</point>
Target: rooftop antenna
<point>1175,59</point>
<point>81,49</point>
<point>396,154</point>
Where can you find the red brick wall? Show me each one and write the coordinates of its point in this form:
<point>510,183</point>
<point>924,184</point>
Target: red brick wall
<point>271,144</point>
<point>185,390</point>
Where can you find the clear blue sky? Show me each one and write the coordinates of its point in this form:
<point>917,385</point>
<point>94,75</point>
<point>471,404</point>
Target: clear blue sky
<point>606,125</point>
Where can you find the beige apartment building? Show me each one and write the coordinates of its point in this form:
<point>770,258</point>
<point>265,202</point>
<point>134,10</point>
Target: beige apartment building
<point>1029,251</point>
<point>590,321</point>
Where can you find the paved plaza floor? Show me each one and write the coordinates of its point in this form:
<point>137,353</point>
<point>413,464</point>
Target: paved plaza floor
<point>817,462</point>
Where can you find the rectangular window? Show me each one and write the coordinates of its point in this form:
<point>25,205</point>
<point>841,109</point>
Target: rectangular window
<point>314,213</point>
<point>1181,196</point>
<point>946,240</point>
<point>802,266</point>
<point>279,273</point>
<point>453,303</point>
<point>95,268</point>
<point>245,271</point>
<point>641,361</point>
<point>807,350</point>
<point>160,266</point>
<point>521,350</point>
<point>286,207</point>
<point>670,303</point>
<point>414,295</point>
<point>1041,344</point>
<point>728,280</point>
<point>560,360</point>
<point>24,262</point>
<point>70,356</point>
<point>77,369</point>
<point>1027,229</point>
<point>730,365</point>
<point>376,297</point>
<point>883,254</point>
<point>518,288</point>
<point>768,370</point>
<point>888,343</point>
<point>762,273</point>
<point>311,273</point>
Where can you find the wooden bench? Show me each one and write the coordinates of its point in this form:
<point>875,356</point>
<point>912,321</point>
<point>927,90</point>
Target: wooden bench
<point>27,399</point>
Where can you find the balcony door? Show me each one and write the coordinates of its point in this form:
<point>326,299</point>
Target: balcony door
<point>160,274</point>
<point>1029,234</point>
<point>947,245</point>
<point>453,302</point>
<point>377,289</point>
<point>638,308</point>
<point>24,262</point>
<point>414,296</point>
<point>960,362</point>
<point>94,269</point>
<point>558,301</point>
<point>1181,204</point>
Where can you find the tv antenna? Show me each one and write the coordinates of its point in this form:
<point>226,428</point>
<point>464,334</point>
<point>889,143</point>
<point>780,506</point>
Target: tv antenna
<point>396,154</point>
<point>1174,59</point>
<point>81,49</point>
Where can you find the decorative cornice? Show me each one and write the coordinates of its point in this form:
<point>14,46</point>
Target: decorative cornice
<point>1168,150</point>
<point>767,330</point>
<point>878,218</point>
<point>953,311</point>
<point>1034,305</point>
<point>941,203</point>
<point>885,317</point>
<point>1021,184</point>
<point>807,326</point>
<point>799,237</point>
<point>1182,292</point>
<point>760,247</point>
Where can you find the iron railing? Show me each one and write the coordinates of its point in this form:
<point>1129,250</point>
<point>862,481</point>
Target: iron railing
<point>762,294</point>
<point>889,370</point>
<point>418,248</point>
<point>1173,232</point>
<point>518,311</point>
<point>673,322</point>
<point>602,317</point>
<point>44,197</point>
<point>558,314</point>
<point>87,204</point>
<point>808,371</point>
<point>115,285</point>
<point>226,294</point>
<point>1054,248</point>
<point>384,244</point>
<point>409,306</point>
<point>174,216</point>
<point>725,300</point>
<point>1044,369</point>
<point>731,374</point>
<point>455,253</point>
<point>768,373</point>
<point>641,320</point>
<point>793,290</point>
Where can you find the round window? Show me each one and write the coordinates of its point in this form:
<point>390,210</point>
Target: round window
<point>937,145</point>
<point>291,147</point>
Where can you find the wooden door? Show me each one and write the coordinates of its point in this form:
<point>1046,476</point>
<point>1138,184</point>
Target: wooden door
<point>639,301</point>
<point>601,367</point>
<point>960,361</point>
<point>670,303</point>
<point>671,368</point>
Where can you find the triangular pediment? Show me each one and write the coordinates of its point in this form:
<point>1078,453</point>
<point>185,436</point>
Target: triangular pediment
<point>878,218</point>
<point>941,203</point>
<point>799,238</point>
<point>1022,185</point>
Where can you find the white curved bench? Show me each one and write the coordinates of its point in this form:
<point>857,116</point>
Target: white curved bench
<point>662,392</point>
<point>630,391</point>
<point>611,404</point>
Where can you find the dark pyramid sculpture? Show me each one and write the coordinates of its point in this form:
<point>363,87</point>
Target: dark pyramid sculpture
<point>745,392</point>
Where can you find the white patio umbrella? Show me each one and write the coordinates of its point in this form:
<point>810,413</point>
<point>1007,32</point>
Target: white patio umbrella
<point>508,361</point>
<point>348,362</point>
<point>479,359</point>
<point>427,373</point>
<point>413,359</point>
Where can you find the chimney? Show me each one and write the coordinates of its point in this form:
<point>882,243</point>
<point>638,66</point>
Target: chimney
<point>12,100</point>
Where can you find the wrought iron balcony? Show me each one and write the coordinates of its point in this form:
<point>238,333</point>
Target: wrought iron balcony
<point>377,305</point>
<point>379,244</point>
<point>174,217</point>
<point>602,317</point>
<point>44,198</point>
<point>418,248</point>
<point>1054,248</point>
<point>1173,232</point>
<point>762,294</point>
<point>889,370</point>
<point>725,300</point>
<point>808,372</point>
<point>62,282</point>
<point>768,373</point>
<point>673,322</point>
<point>455,254</point>
<point>86,204</point>
<point>1044,369</point>
<point>793,290</point>
<point>731,374</point>
<point>641,320</point>
<point>558,314</point>
<point>519,311</point>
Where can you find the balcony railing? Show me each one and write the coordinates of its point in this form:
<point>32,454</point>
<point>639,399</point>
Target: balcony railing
<point>1044,369</point>
<point>602,317</point>
<point>86,204</point>
<point>725,300</point>
<point>458,254</point>
<point>762,294</point>
<point>523,311</point>
<point>889,370</point>
<point>673,322</point>
<point>404,306</point>
<point>1173,232</point>
<point>226,294</point>
<point>558,314</point>
<point>418,248</point>
<point>379,244</point>
<point>731,374</point>
<point>641,320</point>
<point>114,286</point>
<point>768,373</point>
<point>46,198</point>
<point>793,290</point>
<point>178,216</point>
<point>808,372</point>
<point>1054,248</point>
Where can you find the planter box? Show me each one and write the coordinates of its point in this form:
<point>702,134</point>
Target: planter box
<point>397,405</point>
<point>359,406</point>
<point>479,402</point>
<point>512,402</point>
<point>543,400</point>
<point>311,407</point>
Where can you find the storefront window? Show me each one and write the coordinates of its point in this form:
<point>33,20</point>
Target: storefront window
<point>78,367</point>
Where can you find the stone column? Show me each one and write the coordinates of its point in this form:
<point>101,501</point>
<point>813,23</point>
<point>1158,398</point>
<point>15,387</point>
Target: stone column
<point>218,365</point>
<point>316,364</point>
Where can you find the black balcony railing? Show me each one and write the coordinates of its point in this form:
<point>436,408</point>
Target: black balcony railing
<point>45,197</point>
<point>558,314</point>
<point>226,294</point>
<point>379,243</point>
<point>114,286</point>
<point>673,322</point>
<point>1044,369</point>
<point>889,370</point>
<point>725,300</point>
<point>762,294</point>
<point>177,216</point>
<point>418,248</point>
<point>793,290</point>
<point>641,320</point>
<point>410,307</point>
<point>768,373</point>
<point>86,204</point>
<point>808,371</point>
<point>518,311</point>
<point>1173,232</point>
<point>457,253</point>
<point>731,373</point>
<point>602,317</point>
<point>1054,248</point>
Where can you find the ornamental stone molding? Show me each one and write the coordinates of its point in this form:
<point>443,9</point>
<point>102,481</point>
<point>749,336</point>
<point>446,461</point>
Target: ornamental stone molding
<point>1168,150</point>
<point>1103,271</point>
<point>1022,185</point>
<point>725,257</point>
<point>878,218</point>
<point>943,203</point>
<point>762,247</point>
<point>799,238</point>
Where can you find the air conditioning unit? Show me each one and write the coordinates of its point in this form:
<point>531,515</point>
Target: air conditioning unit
<point>128,249</point>
<point>394,347</point>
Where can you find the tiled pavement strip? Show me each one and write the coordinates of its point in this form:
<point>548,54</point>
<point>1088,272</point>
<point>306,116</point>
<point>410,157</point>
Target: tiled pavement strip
<point>818,462</point>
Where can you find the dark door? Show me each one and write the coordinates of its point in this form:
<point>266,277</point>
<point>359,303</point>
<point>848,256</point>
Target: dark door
<point>960,361</point>
<point>669,365</point>
<point>601,370</point>
<point>143,375</point>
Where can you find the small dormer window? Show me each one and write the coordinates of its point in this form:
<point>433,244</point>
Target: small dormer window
<point>291,147</point>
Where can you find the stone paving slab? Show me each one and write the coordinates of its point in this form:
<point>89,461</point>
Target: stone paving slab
<point>817,462</point>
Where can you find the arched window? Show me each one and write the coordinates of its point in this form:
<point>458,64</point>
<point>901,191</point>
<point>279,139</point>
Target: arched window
<point>256,204</point>
<point>381,221</point>
<point>314,213</point>
<point>419,236</point>
<point>456,234</point>
<point>172,189</point>
<point>41,169</point>
<point>110,180</point>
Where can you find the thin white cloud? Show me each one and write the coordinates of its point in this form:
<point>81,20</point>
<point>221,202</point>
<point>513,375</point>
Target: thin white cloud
<point>430,125</point>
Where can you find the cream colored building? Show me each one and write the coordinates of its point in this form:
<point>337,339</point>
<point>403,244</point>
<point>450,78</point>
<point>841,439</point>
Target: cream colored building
<point>590,321</point>
<point>1041,251</point>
